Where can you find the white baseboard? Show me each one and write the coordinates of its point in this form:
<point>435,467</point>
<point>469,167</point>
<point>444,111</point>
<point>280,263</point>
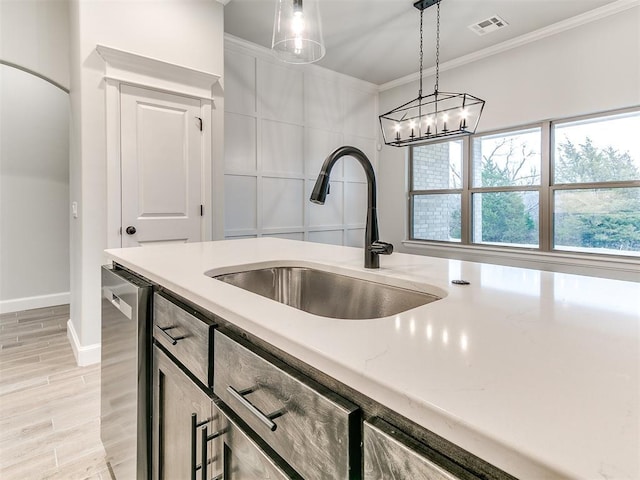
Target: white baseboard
<point>85,354</point>
<point>28,303</point>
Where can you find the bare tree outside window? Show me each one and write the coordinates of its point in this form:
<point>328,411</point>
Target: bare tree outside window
<point>504,164</point>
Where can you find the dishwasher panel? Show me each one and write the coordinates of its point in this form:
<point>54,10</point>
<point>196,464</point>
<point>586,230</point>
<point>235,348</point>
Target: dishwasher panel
<point>125,374</point>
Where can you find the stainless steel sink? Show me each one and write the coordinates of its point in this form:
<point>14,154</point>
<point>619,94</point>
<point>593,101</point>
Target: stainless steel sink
<point>327,294</point>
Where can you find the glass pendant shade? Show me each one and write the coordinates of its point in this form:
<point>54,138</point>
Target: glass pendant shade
<point>438,115</point>
<point>297,31</point>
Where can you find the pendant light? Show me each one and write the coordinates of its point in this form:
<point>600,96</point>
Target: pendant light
<point>297,31</point>
<point>434,116</point>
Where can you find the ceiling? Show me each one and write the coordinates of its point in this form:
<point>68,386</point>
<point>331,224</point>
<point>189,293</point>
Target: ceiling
<point>378,40</point>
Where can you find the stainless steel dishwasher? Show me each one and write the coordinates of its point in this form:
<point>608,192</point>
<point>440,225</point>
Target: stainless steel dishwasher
<point>125,374</point>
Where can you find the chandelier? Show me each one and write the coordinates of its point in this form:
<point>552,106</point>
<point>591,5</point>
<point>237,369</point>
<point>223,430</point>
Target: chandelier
<point>434,116</point>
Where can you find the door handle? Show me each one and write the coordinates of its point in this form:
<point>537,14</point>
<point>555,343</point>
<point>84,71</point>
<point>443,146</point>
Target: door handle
<point>130,230</point>
<point>194,427</point>
<point>205,438</point>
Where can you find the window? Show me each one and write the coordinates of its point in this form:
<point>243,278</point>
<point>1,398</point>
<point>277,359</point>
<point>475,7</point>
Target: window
<point>596,194</point>
<point>571,185</point>
<point>505,195</point>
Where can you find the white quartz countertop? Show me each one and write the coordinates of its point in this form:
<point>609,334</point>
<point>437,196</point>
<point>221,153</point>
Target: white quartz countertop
<point>535,372</point>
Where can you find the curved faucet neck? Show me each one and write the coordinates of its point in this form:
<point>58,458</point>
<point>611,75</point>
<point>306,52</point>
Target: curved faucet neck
<point>356,153</point>
<point>372,246</point>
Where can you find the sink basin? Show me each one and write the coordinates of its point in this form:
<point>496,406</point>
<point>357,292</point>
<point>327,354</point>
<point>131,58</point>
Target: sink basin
<point>327,294</point>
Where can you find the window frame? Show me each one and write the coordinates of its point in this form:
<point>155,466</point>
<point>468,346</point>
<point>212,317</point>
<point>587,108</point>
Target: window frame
<point>546,192</point>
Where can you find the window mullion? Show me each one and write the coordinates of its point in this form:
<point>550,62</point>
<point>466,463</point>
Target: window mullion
<point>409,231</point>
<point>465,199</point>
<point>506,188</point>
<point>546,201</point>
<point>595,185</point>
<point>435,192</point>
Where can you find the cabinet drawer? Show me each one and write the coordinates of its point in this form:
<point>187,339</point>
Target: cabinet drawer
<point>390,453</point>
<point>186,337</point>
<point>313,429</point>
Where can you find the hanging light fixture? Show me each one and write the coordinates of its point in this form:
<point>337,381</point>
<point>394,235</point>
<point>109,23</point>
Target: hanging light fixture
<point>434,116</point>
<point>297,31</point>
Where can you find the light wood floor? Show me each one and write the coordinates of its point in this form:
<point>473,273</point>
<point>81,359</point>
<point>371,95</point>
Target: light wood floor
<point>49,407</point>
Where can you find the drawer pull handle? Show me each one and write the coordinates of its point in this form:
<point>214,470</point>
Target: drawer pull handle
<point>171,338</point>
<point>266,419</point>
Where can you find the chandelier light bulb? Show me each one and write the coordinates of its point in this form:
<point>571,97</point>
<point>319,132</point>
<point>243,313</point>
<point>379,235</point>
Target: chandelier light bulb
<point>464,113</point>
<point>429,122</point>
<point>445,118</point>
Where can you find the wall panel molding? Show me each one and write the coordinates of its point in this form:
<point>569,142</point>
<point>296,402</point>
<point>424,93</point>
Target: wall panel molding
<point>302,113</point>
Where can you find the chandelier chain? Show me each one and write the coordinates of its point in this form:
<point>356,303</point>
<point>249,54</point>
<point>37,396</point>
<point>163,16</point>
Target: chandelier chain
<point>421,53</point>
<point>437,50</point>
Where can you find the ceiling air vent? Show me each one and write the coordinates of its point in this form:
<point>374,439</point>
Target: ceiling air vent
<point>489,25</point>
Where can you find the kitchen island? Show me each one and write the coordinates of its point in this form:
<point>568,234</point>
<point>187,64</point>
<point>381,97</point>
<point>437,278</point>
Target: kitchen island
<point>535,372</point>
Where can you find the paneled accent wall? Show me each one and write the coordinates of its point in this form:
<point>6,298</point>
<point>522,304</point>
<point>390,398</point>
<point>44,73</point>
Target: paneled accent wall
<point>281,121</point>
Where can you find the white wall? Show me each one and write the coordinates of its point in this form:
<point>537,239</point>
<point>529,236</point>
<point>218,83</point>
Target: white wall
<point>281,121</point>
<point>34,34</point>
<point>34,192</point>
<point>34,157</point>
<point>184,32</point>
<point>590,68</point>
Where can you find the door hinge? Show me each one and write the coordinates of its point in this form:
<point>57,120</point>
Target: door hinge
<point>202,210</point>
<point>199,123</point>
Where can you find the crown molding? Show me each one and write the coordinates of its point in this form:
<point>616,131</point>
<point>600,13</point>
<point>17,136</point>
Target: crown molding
<point>249,47</point>
<point>562,26</point>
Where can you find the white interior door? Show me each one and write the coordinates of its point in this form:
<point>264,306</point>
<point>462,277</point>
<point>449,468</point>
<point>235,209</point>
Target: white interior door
<point>161,151</point>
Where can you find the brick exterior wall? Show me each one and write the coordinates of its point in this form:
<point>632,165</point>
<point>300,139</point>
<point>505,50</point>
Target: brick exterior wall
<point>432,213</point>
<point>431,167</point>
